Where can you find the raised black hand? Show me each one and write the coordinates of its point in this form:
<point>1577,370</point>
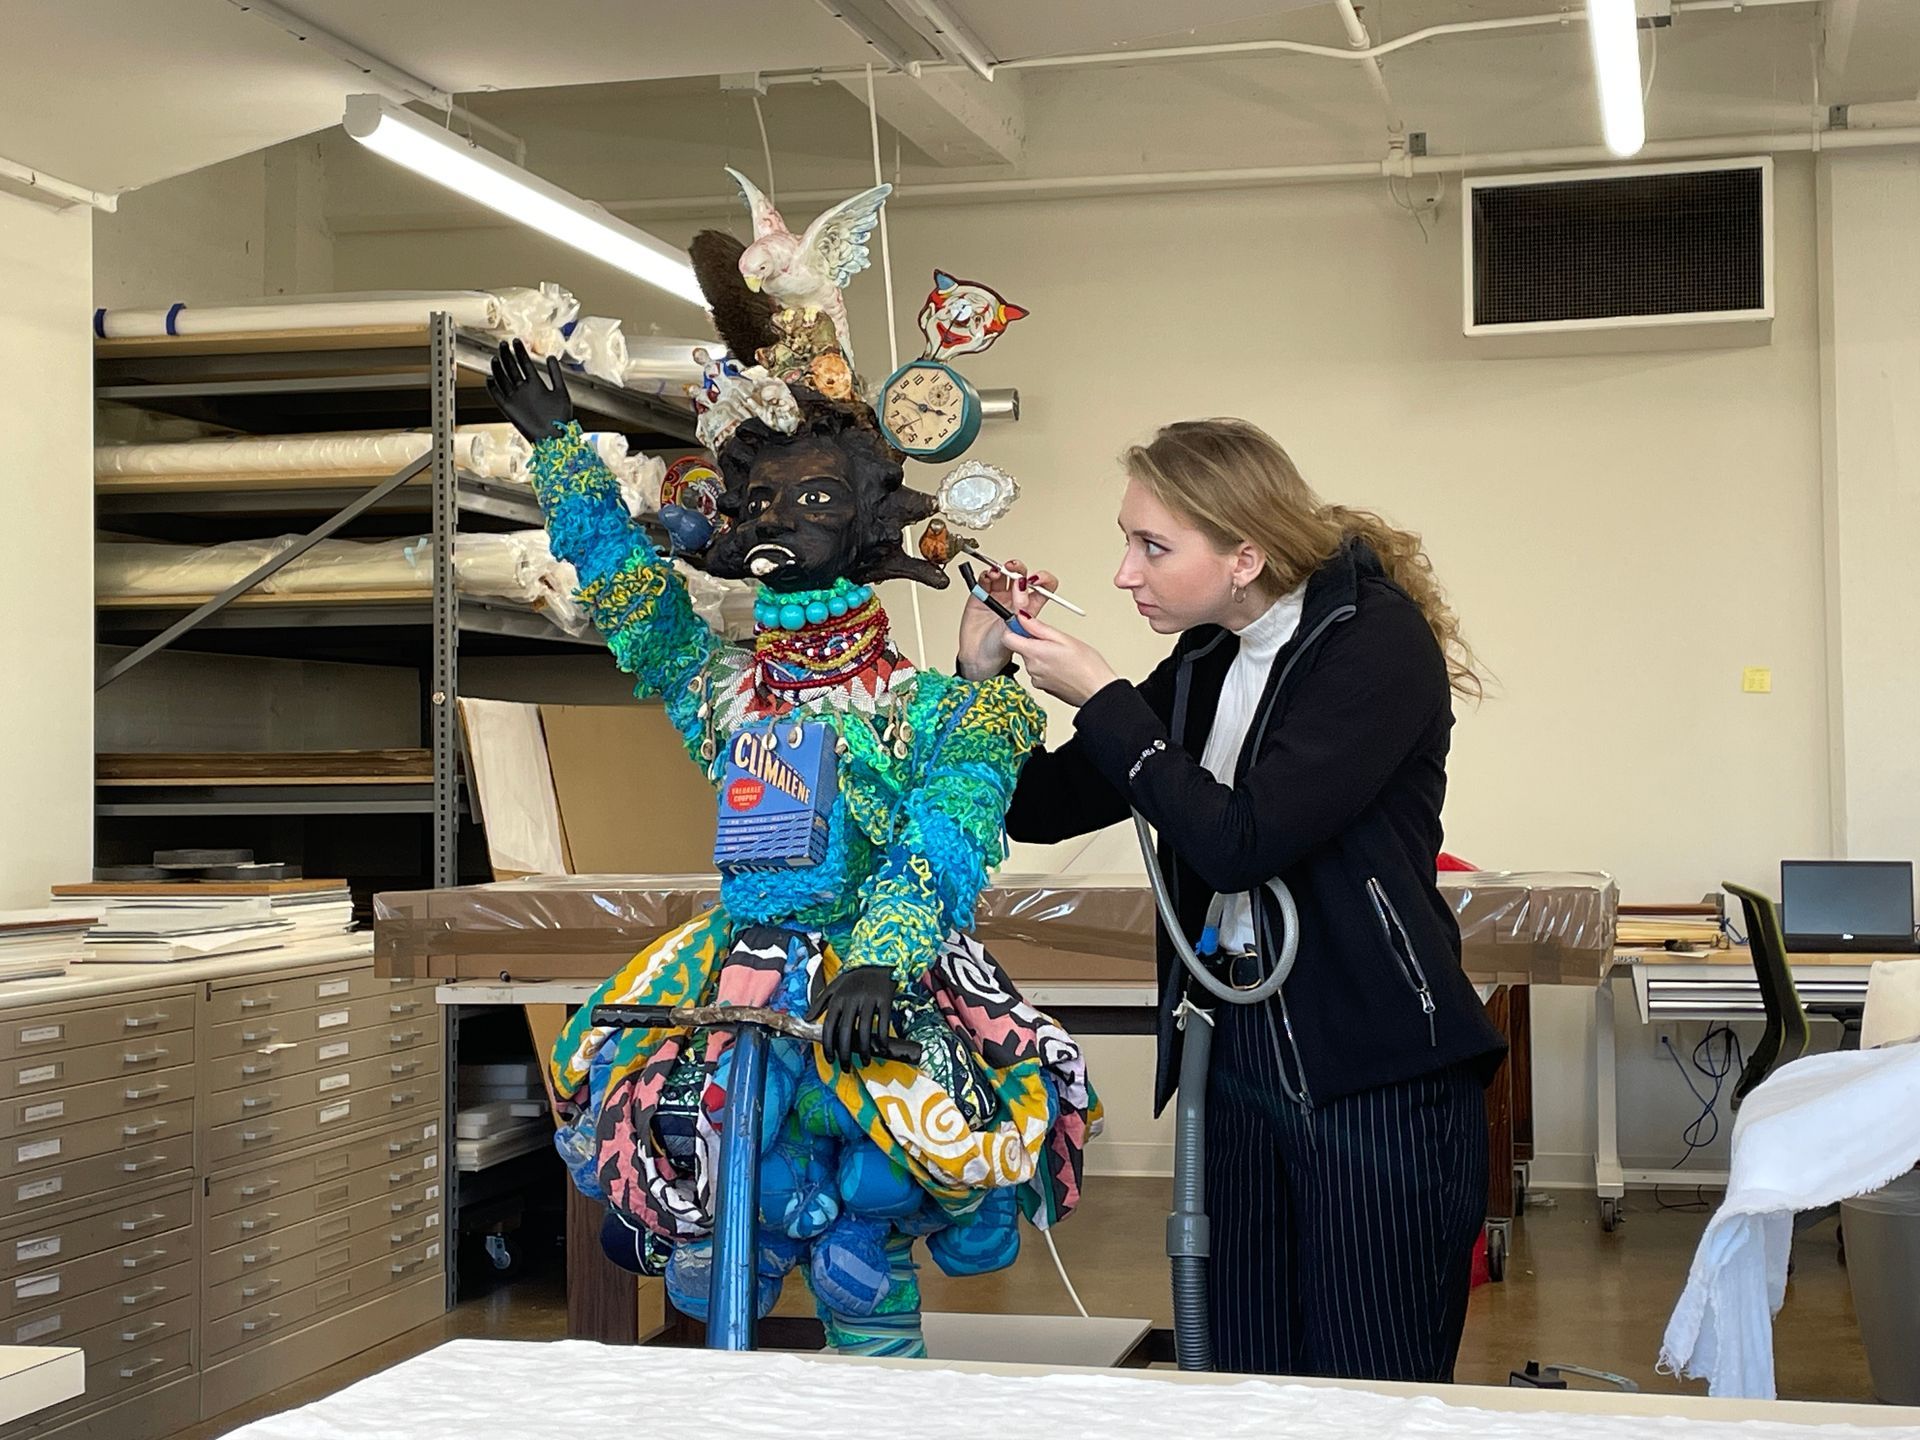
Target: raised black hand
<point>856,1014</point>
<point>537,403</point>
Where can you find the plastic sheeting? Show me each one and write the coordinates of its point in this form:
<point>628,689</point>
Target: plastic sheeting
<point>518,566</point>
<point>1515,928</point>
<point>1534,927</point>
<point>532,1390</point>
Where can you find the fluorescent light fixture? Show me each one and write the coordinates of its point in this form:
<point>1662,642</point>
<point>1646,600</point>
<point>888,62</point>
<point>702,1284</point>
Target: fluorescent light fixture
<point>450,160</point>
<point>1614,28</point>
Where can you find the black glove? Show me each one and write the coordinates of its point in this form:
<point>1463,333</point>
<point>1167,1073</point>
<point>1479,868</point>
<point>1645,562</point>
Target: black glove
<point>856,1014</point>
<point>538,406</point>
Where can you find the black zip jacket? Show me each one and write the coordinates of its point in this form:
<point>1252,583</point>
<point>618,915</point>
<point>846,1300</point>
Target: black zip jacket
<point>1337,791</point>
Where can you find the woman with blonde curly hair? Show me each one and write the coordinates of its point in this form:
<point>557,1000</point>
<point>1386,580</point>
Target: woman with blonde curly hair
<point>1299,730</point>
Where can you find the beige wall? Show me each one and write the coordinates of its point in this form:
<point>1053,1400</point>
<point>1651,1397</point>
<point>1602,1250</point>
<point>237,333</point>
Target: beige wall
<point>250,227</point>
<point>46,586</point>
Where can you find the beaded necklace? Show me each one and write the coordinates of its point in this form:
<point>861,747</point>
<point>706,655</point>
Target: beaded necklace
<point>817,639</point>
<point>835,659</point>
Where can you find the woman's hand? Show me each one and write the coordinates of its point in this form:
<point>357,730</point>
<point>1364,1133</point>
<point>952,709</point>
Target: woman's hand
<point>983,653</point>
<point>1059,664</point>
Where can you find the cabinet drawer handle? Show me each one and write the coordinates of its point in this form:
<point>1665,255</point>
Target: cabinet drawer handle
<point>259,1067</point>
<point>148,1294</point>
<point>403,1037</point>
<point>403,1007</point>
<point>252,1003</point>
<point>249,1137</point>
<point>254,1257</point>
<point>254,1102</point>
<point>267,1219</point>
<point>263,1187</point>
<point>144,1057</point>
<point>404,1266</point>
<point>134,1262</point>
<point>145,1022</point>
<point>130,1226</point>
<point>249,1326</point>
<point>401,1147</point>
<point>250,1036</point>
<point>406,1237</point>
<point>151,1328</point>
<point>249,1291</point>
<point>403,1097</point>
<point>134,1167</point>
<point>130,1131</point>
<point>404,1207</point>
<point>127,1372</point>
<point>403,1067</point>
<point>148,1093</point>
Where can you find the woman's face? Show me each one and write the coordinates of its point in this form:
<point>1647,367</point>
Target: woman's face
<point>1177,577</point>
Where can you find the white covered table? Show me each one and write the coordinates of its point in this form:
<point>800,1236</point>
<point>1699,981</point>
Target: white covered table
<point>520,1390</point>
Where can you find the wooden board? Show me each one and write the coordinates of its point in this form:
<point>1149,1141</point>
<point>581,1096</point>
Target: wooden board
<point>341,598</point>
<point>213,888</point>
<point>212,482</point>
<point>265,767</point>
<point>1742,958</point>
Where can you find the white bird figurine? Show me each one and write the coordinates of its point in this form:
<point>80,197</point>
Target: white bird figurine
<point>809,269</point>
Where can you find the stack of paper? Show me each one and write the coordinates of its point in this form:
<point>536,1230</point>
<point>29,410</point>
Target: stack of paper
<point>1655,925</point>
<point>160,921</point>
<point>503,1113</point>
<point>35,944</point>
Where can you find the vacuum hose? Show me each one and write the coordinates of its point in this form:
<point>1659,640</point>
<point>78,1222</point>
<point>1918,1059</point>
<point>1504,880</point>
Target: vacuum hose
<point>1188,1243</point>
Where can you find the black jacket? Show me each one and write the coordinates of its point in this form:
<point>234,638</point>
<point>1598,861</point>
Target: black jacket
<point>1337,792</point>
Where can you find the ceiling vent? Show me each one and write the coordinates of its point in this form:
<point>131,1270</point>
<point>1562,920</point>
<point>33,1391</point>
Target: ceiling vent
<point>1640,256</point>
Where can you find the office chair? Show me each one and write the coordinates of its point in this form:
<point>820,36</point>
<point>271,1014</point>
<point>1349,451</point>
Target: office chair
<point>1787,1033</point>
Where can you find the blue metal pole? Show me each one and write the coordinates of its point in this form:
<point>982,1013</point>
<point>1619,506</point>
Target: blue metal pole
<point>736,1204</point>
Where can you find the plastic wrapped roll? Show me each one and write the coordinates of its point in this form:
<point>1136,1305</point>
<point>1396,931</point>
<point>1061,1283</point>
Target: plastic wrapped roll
<point>665,365</point>
<point>517,566</point>
<point>597,346</point>
<point>536,316</point>
<point>492,451</point>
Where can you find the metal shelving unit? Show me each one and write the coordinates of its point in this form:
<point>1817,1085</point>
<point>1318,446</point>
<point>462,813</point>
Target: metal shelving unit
<point>362,378</point>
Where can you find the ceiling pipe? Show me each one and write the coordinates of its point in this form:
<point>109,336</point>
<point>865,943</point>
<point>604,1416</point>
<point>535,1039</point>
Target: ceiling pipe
<point>392,81</point>
<point>1258,177</point>
<point>1362,42</point>
<point>53,190</point>
<point>1372,52</point>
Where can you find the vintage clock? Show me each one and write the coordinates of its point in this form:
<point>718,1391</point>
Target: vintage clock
<point>929,411</point>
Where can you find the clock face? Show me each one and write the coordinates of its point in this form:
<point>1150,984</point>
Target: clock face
<point>924,409</point>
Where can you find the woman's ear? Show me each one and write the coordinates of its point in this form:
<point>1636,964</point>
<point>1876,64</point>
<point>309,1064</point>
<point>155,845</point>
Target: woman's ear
<point>1249,562</point>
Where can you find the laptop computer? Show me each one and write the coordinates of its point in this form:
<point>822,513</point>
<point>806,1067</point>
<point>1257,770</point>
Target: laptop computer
<point>1847,906</point>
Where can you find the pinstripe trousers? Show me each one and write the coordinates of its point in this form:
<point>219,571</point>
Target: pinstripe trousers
<point>1342,1235</point>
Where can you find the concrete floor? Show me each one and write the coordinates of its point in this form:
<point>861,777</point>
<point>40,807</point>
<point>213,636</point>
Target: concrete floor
<point>1573,1294</point>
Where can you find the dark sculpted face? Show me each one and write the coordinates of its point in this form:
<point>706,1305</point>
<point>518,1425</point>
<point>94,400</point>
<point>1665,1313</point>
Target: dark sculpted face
<point>823,504</point>
<point>797,527</point>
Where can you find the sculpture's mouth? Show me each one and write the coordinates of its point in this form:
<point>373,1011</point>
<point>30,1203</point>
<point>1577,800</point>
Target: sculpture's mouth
<point>763,560</point>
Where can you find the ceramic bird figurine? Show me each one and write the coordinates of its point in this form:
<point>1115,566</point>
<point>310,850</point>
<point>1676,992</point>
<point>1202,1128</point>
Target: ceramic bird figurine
<point>810,269</point>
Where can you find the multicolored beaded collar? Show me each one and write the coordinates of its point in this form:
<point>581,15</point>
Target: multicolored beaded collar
<point>812,639</point>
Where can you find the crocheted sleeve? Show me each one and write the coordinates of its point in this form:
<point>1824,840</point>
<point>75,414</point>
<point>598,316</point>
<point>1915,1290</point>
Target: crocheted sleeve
<point>636,600</point>
<point>952,829</point>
